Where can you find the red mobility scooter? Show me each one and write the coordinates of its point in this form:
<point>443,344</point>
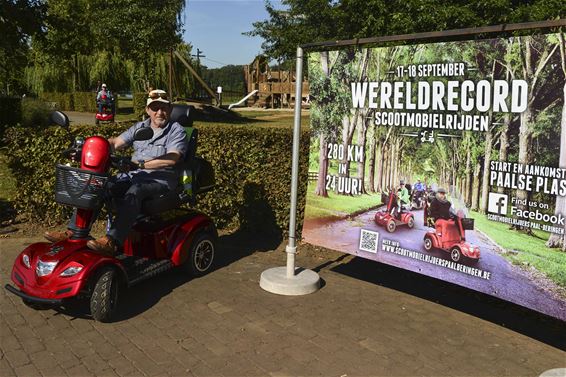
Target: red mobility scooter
<point>450,236</point>
<point>165,236</point>
<point>108,110</point>
<point>389,220</point>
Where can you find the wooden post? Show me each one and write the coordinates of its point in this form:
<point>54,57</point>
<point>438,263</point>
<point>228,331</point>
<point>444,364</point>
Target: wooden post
<point>196,76</point>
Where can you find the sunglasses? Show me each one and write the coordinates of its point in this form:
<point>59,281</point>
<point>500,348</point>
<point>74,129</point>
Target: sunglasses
<point>156,106</point>
<point>157,95</point>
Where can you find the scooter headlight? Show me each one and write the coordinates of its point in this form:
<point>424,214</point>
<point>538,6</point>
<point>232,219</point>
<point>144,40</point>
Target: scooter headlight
<point>44,268</point>
<point>73,269</point>
<point>26,260</point>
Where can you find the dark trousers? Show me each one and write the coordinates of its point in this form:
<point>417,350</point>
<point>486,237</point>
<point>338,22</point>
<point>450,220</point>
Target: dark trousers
<point>127,199</point>
<point>128,207</point>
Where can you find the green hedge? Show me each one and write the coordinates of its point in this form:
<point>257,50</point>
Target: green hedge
<point>61,101</point>
<point>252,167</point>
<point>77,101</point>
<point>138,103</point>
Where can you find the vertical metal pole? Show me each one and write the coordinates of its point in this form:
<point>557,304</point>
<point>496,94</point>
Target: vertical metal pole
<point>291,248</point>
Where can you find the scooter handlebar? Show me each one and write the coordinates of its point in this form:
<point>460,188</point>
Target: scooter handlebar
<point>123,163</point>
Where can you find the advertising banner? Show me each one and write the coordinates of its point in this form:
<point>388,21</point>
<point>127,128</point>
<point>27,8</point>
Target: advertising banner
<point>447,159</point>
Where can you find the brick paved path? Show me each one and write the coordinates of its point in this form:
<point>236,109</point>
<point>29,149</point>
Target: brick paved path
<point>224,325</point>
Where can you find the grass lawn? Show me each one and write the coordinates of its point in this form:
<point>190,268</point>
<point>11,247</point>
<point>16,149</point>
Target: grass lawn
<point>7,182</point>
<point>531,251</point>
<point>260,121</point>
<point>125,103</point>
<point>125,117</point>
<point>337,205</point>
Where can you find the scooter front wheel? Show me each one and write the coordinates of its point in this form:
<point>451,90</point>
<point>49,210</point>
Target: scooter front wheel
<point>428,243</point>
<point>104,299</point>
<point>455,254</point>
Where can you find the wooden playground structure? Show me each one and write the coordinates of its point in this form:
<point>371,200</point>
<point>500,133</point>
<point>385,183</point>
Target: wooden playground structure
<point>265,87</point>
<point>273,88</point>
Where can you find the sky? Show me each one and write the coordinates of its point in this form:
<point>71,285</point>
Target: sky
<point>216,27</point>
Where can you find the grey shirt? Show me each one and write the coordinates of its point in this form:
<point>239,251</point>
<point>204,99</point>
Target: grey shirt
<point>171,138</point>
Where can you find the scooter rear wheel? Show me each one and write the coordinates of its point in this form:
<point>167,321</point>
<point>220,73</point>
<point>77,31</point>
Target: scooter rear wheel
<point>391,226</point>
<point>201,255</point>
<point>411,223</point>
<point>104,299</point>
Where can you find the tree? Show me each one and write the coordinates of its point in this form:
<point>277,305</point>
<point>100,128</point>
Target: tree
<point>305,21</point>
<point>534,54</point>
<point>137,27</point>
<point>559,240</point>
<point>20,20</point>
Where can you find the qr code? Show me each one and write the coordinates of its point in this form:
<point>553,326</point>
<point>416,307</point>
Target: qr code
<point>368,241</point>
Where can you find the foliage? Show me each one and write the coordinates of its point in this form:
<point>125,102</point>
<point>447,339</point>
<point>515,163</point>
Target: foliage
<point>35,113</point>
<point>337,206</point>
<point>252,179</point>
<point>138,103</point>
<point>60,101</point>
<point>526,251</point>
<point>86,101</point>
<point>20,20</point>
<point>137,28</point>
<point>229,77</point>
<point>86,42</point>
<point>321,20</point>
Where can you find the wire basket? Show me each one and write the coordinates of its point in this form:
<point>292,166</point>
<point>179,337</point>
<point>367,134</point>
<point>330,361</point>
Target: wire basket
<point>78,187</point>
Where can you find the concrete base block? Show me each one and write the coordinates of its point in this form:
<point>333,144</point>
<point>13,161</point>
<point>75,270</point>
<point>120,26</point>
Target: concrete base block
<point>275,280</point>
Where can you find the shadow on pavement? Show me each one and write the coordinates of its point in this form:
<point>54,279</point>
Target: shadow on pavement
<point>258,232</point>
<point>514,317</point>
<point>143,296</point>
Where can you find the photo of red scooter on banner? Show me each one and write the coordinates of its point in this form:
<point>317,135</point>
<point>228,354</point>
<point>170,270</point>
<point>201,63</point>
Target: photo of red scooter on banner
<point>395,213</point>
<point>449,232</point>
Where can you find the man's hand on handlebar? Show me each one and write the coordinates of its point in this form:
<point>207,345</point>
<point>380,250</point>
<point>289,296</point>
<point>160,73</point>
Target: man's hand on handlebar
<point>124,164</point>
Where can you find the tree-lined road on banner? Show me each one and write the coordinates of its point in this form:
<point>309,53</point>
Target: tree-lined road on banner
<point>506,281</point>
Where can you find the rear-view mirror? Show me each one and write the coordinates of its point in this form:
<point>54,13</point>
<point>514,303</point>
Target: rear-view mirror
<point>144,133</point>
<point>59,118</point>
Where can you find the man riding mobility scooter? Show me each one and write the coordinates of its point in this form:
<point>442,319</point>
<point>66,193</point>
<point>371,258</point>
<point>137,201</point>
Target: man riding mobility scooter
<point>449,232</point>
<point>392,216</point>
<point>163,237</point>
<point>105,105</point>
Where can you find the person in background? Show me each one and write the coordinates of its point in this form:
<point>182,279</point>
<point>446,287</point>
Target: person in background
<point>104,97</point>
<point>440,206</point>
<point>403,198</point>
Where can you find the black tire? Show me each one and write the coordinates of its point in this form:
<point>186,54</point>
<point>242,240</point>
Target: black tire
<point>104,298</point>
<point>428,245</point>
<point>411,223</point>
<point>202,252</point>
<point>455,254</point>
<point>391,226</point>
<point>96,121</point>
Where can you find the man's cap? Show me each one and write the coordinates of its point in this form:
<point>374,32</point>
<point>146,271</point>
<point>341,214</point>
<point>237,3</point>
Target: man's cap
<point>402,182</point>
<point>104,85</point>
<point>441,190</point>
<point>157,95</point>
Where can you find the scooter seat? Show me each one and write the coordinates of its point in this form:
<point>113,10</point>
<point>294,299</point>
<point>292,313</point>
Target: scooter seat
<point>169,200</point>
